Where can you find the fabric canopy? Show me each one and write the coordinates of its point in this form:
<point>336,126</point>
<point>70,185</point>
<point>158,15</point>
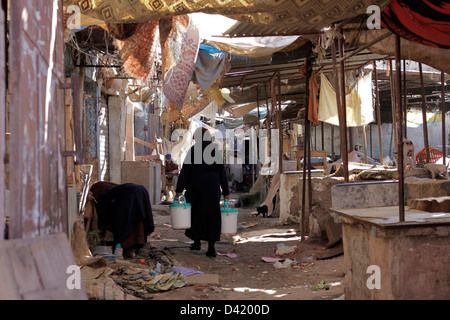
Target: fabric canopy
<point>358,102</point>
<point>426,22</point>
<point>308,15</point>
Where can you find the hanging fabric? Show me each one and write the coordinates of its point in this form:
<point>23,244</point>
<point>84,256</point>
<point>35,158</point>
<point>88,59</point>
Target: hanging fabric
<point>313,108</point>
<point>359,104</point>
<point>183,53</point>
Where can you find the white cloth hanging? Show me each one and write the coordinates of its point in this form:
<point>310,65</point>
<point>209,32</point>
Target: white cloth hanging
<point>359,102</point>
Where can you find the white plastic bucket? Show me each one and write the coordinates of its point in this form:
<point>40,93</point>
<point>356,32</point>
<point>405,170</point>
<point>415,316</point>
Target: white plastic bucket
<point>180,215</point>
<point>229,219</point>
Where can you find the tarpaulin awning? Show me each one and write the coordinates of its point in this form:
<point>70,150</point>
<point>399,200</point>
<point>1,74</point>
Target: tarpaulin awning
<point>252,47</point>
<point>426,22</point>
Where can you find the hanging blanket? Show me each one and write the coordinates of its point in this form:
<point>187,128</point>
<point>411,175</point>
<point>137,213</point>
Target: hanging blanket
<point>210,66</point>
<point>138,51</point>
<point>183,45</point>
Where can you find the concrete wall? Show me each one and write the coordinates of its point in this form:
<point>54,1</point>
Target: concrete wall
<point>413,262</point>
<point>117,120</point>
<point>379,194</point>
<point>412,259</point>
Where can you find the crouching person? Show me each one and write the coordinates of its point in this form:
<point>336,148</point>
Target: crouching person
<point>125,211</point>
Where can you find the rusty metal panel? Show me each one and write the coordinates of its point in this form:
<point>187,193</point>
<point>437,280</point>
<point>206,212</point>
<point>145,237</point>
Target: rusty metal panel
<point>2,121</point>
<point>37,119</point>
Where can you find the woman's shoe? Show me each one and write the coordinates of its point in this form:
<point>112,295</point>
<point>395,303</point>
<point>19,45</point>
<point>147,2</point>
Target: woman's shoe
<point>211,253</point>
<point>195,246</point>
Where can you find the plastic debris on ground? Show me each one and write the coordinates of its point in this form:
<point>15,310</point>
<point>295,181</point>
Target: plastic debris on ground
<point>283,249</point>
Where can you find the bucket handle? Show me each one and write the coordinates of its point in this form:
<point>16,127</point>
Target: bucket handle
<point>226,206</point>
<point>183,199</point>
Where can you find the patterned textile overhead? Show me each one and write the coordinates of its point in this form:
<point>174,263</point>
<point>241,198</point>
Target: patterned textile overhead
<point>426,22</point>
<point>303,14</point>
<point>137,51</point>
<point>180,54</point>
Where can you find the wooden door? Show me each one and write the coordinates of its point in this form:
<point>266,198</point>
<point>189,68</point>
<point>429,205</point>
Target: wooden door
<point>37,168</point>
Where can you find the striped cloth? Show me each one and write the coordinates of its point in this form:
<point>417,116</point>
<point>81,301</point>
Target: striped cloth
<point>426,22</point>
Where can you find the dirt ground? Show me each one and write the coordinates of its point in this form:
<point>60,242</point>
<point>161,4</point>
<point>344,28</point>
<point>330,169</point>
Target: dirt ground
<point>245,275</point>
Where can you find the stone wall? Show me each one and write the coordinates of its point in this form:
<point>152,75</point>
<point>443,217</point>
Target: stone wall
<point>291,193</point>
<point>411,262</point>
<point>351,195</point>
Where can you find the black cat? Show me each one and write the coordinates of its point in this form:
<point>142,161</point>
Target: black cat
<point>262,210</point>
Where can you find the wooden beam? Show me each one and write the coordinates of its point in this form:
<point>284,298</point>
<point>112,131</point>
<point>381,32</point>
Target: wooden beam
<point>343,121</point>
<point>154,157</point>
<point>398,100</point>
<point>351,54</point>
<point>405,100</point>
<point>151,145</point>
<point>394,107</point>
<point>280,127</point>
<point>377,104</point>
<point>424,115</point>
<point>69,135</point>
<point>444,137</point>
<point>306,152</point>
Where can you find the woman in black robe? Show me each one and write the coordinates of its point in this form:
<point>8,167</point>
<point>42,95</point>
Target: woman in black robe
<point>202,176</point>
<point>124,210</point>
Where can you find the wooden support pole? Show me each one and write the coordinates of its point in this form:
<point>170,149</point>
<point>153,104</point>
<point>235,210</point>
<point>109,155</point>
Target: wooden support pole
<point>273,107</point>
<point>332,143</point>
<point>424,115</point>
<point>343,118</point>
<point>394,108</point>
<point>315,137</point>
<point>365,144</point>
<point>259,122</point>
<point>377,104</point>
<point>269,125</point>
<point>398,99</point>
<point>306,151</point>
<point>405,100</point>
<point>444,137</point>
<point>280,126</point>
<point>322,135</point>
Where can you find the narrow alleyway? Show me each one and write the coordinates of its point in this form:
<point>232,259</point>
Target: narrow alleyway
<point>246,266</point>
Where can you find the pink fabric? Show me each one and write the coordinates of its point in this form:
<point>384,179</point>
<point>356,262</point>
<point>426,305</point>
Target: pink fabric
<point>177,78</point>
